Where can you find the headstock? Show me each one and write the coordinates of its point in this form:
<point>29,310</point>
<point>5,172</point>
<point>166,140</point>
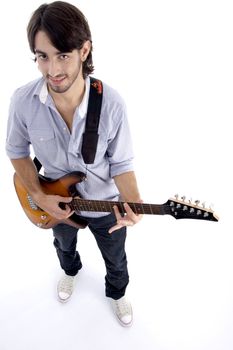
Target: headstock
<point>182,209</point>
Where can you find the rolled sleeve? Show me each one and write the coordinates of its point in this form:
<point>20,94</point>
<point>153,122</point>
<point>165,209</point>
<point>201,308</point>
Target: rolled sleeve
<point>120,149</point>
<point>17,140</point>
<point>16,152</point>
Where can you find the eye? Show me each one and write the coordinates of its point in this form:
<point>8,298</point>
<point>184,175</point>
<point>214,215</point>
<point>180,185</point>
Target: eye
<point>63,57</point>
<point>41,57</point>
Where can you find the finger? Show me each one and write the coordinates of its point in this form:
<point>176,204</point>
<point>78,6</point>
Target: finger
<point>62,213</point>
<point>114,228</point>
<point>130,212</point>
<point>117,213</point>
<point>122,220</point>
<point>134,217</point>
<point>64,199</point>
<point>68,212</point>
<point>121,223</point>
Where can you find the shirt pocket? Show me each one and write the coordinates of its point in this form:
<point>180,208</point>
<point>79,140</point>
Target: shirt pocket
<point>43,142</point>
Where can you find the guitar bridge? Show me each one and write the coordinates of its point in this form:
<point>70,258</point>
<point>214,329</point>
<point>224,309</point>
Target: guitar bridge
<point>32,203</point>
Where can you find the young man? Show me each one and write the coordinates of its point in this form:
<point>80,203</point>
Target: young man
<point>50,114</point>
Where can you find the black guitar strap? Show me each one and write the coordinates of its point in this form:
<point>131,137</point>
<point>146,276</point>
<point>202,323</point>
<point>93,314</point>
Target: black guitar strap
<point>37,164</point>
<point>90,135</point>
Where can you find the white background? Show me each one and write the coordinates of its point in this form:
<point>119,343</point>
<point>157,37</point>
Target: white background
<point>172,63</point>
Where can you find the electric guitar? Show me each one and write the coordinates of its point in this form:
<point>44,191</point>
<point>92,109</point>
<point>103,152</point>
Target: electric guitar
<point>65,186</point>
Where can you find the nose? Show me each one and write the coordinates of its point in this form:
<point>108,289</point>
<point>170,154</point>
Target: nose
<point>54,68</point>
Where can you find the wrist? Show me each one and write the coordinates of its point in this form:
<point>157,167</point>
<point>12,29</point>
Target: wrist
<point>38,196</point>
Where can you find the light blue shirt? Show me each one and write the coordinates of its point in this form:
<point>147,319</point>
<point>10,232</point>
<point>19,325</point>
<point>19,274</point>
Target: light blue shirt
<point>34,120</point>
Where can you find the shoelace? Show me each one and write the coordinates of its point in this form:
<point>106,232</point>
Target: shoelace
<point>66,284</point>
<point>122,307</point>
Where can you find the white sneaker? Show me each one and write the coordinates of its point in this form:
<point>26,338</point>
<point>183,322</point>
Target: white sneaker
<point>123,311</point>
<point>65,287</point>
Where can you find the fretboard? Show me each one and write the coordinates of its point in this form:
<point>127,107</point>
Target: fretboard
<point>107,206</point>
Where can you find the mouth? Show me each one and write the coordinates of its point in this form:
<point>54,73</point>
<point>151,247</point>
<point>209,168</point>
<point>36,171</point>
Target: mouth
<point>56,81</point>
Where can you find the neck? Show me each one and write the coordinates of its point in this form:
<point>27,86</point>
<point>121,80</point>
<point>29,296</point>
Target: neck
<point>72,97</point>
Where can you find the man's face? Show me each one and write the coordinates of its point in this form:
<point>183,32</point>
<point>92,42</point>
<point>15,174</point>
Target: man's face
<point>60,69</point>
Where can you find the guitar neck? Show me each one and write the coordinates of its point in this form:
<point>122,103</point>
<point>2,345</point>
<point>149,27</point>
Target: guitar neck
<point>107,206</point>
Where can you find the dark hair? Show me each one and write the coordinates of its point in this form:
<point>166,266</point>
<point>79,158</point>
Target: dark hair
<point>66,27</point>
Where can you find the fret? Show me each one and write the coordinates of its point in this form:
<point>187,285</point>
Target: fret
<point>72,205</point>
<point>135,208</point>
<point>110,206</point>
<point>82,205</point>
<point>121,207</point>
<point>99,205</point>
<point>140,208</point>
<point>103,206</point>
<point>90,206</point>
<point>156,209</point>
<point>93,205</point>
<point>150,206</point>
<point>96,205</point>
<point>144,208</point>
<point>150,209</point>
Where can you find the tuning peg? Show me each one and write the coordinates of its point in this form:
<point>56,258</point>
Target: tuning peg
<point>176,196</point>
<point>183,198</point>
<point>203,204</point>
<point>190,201</point>
<point>197,202</point>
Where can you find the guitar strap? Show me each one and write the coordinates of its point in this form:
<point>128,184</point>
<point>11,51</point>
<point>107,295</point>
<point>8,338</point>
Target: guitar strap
<point>90,135</point>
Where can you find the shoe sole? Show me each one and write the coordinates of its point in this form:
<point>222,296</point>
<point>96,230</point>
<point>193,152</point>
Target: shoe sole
<point>63,301</point>
<point>126,325</point>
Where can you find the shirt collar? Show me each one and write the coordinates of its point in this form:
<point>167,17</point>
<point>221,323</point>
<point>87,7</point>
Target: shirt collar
<point>43,94</point>
<point>84,104</point>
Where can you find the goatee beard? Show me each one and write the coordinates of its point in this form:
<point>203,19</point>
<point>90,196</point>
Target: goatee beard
<point>58,89</point>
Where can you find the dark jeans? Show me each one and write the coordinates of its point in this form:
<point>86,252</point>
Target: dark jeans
<point>112,247</point>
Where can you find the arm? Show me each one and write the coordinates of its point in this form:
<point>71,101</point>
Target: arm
<point>127,186</point>
<point>28,174</point>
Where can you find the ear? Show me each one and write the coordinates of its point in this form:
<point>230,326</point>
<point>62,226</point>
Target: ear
<point>85,50</point>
